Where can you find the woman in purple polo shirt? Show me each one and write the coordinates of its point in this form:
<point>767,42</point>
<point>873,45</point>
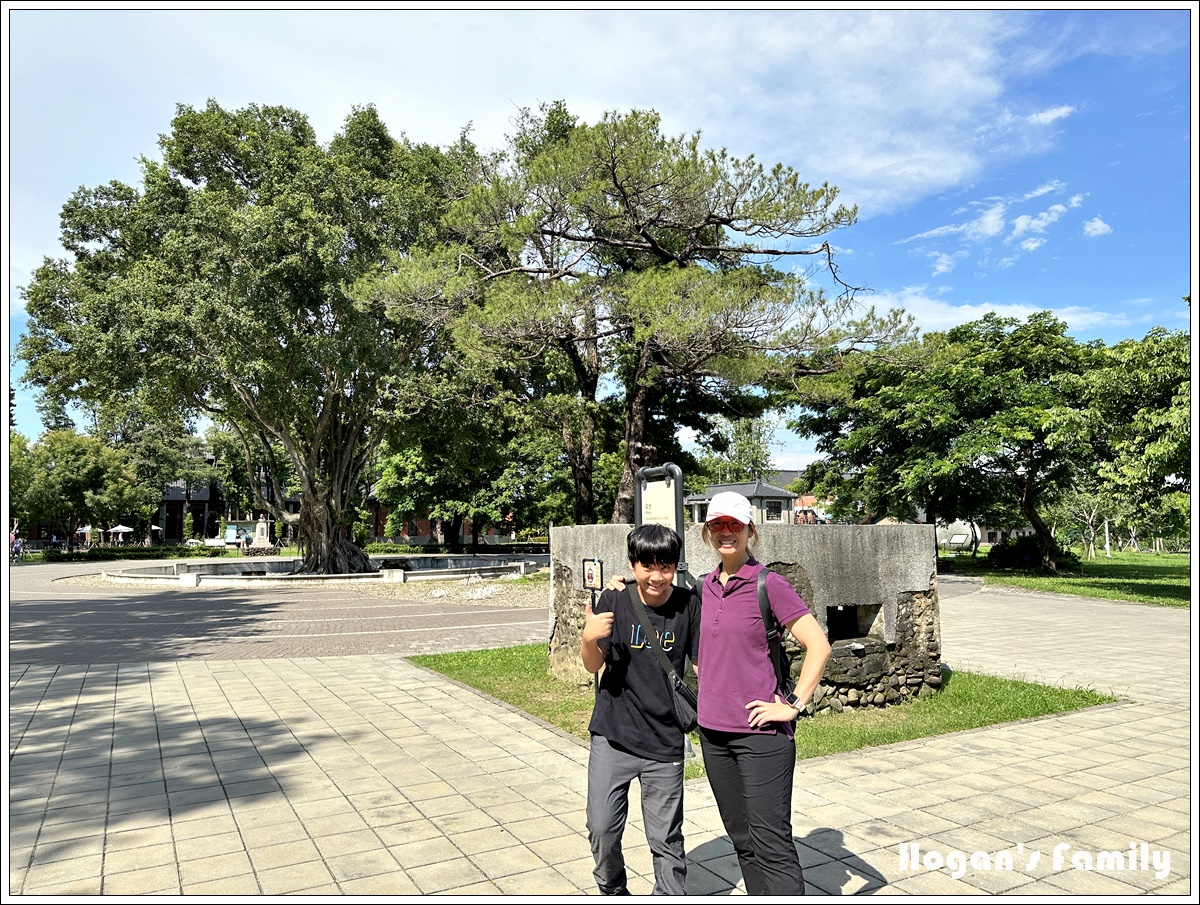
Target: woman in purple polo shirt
<point>745,727</point>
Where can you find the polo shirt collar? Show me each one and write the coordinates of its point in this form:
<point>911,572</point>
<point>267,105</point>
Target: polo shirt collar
<point>748,572</point>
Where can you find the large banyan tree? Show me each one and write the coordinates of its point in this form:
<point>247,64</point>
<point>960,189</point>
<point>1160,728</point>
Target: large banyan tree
<point>228,285</point>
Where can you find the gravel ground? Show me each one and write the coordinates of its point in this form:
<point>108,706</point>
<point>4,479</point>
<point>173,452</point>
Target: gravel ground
<point>502,592</point>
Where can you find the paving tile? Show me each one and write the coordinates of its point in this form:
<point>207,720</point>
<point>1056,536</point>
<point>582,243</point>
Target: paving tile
<point>359,865</point>
<point>296,878</point>
<point>244,885</point>
<point>445,875</point>
<point>160,880</point>
<point>334,824</point>
<point>198,847</point>
<point>558,850</point>
<point>120,861</point>
<point>39,876</point>
<point>268,856</point>
<point>395,883</point>
<point>543,882</point>
<point>935,883</point>
<point>338,844</point>
<point>446,804</point>
<point>68,849</point>
<point>487,839</point>
<point>463,822</point>
<point>538,828</point>
<point>839,878</point>
<point>516,859</point>
<point>1141,830</point>
<point>1089,882</point>
<point>433,850</point>
<point>213,867</point>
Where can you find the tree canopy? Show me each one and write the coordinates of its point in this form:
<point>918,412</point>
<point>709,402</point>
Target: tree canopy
<point>991,416</point>
<point>68,480</point>
<point>225,285</point>
<point>615,257</point>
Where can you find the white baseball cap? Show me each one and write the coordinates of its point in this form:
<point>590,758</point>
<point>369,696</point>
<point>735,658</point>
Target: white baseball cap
<point>728,504</point>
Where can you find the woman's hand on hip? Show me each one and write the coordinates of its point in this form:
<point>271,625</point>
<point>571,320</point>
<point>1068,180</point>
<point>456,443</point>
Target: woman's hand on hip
<point>763,712</point>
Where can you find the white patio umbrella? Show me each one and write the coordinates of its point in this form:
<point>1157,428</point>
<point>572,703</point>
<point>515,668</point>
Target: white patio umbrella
<point>120,529</point>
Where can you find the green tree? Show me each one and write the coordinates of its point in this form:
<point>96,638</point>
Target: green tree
<point>614,256</point>
<point>225,285</point>
<point>20,476</point>
<point>736,450</point>
<point>76,479</point>
<point>990,417</point>
<point>239,470</point>
<point>492,465</point>
<point>1141,401</point>
<point>161,448</point>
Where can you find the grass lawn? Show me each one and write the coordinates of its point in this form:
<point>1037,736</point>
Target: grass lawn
<point>1142,577</point>
<point>518,676</point>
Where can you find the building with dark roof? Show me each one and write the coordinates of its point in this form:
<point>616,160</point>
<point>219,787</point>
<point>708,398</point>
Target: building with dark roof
<point>771,504</point>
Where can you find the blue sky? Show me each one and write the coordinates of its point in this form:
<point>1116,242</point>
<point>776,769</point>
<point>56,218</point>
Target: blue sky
<point>1004,160</point>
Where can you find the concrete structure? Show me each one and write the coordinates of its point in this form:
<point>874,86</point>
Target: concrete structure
<point>873,588</point>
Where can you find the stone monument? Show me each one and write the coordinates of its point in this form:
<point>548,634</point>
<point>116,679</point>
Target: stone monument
<point>262,534</point>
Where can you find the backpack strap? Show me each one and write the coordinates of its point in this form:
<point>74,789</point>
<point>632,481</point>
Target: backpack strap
<point>778,660</point>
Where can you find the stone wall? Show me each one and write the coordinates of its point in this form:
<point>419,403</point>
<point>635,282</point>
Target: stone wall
<point>892,645</point>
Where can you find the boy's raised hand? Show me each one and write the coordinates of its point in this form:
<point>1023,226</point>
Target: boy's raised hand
<point>616,583</point>
<point>596,625</point>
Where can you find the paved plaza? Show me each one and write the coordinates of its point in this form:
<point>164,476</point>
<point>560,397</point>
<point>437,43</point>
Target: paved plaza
<point>172,741</point>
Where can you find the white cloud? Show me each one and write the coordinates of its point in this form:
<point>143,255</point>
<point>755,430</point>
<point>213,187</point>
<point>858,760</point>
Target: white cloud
<point>1096,227</point>
<point>932,314</point>
<point>945,263</point>
<point>1046,117</point>
<point>988,224</point>
<point>1054,185</point>
<point>1032,244</point>
<point>1076,200</point>
<point>985,225</point>
<point>1037,224</point>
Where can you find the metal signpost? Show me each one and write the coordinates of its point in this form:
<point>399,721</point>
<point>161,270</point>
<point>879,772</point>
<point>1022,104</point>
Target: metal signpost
<point>660,502</point>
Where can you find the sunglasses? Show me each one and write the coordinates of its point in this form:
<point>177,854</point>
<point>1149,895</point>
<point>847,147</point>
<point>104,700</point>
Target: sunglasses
<point>722,525</point>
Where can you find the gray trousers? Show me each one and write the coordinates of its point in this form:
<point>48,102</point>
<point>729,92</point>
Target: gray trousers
<point>610,771</point>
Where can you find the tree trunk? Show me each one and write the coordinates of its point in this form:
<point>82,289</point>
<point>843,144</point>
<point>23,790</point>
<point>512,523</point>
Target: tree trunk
<point>579,458</point>
<point>1049,544</point>
<point>637,413</point>
<point>328,549</point>
<point>584,357</point>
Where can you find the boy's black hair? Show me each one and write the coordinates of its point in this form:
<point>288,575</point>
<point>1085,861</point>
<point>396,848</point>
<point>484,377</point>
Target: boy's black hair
<point>654,545</point>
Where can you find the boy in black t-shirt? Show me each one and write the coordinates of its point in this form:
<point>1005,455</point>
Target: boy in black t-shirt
<point>634,729</point>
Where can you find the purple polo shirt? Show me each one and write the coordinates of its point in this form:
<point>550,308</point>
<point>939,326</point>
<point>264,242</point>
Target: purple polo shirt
<point>735,661</point>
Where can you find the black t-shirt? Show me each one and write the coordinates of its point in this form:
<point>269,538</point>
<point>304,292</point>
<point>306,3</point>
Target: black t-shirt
<point>634,708</point>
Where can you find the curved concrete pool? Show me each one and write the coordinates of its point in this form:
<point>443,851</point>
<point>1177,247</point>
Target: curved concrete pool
<point>277,570</point>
